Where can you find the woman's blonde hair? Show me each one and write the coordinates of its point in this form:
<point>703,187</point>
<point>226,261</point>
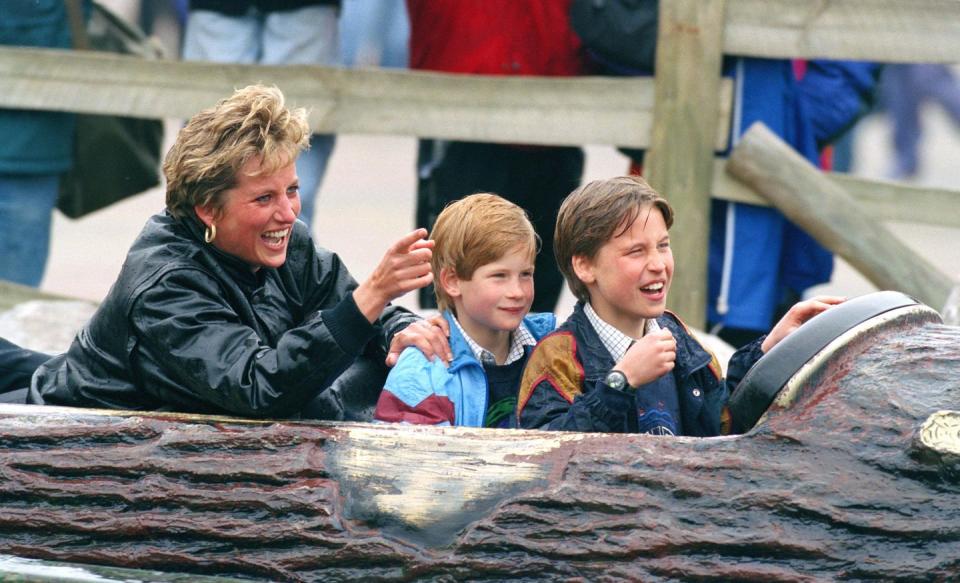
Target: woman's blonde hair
<point>474,231</point>
<point>597,212</point>
<point>215,144</point>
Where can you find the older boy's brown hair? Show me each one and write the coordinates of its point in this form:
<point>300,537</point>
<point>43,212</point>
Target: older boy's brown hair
<point>596,212</point>
<point>474,231</point>
<point>210,150</point>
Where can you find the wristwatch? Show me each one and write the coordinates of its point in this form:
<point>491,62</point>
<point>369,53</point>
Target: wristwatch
<point>615,379</point>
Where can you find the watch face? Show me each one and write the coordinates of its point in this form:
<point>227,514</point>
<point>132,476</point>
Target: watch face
<point>616,380</point>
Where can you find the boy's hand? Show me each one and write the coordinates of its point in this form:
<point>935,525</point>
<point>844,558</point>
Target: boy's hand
<point>404,267</point>
<point>649,358</point>
<point>796,316</point>
<point>431,336</point>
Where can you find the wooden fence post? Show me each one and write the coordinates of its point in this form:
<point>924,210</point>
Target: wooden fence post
<point>686,116</point>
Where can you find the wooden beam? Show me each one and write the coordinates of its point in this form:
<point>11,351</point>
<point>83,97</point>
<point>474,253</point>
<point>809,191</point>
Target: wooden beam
<point>889,31</point>
<point>680,162</point>
<point>829,214</point>
<point>881,199</point>
<point>540,110</point>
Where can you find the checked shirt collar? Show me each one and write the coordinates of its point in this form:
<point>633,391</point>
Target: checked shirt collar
<point>615,341</point>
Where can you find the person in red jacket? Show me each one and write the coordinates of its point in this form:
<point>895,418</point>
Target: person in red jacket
<point>498,37</point>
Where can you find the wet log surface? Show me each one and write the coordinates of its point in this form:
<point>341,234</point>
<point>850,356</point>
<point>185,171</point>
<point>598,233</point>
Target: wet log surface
<point>834,485</point>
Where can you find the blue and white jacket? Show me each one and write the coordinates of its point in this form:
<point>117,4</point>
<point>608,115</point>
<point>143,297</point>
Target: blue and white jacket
<point>424,392</point>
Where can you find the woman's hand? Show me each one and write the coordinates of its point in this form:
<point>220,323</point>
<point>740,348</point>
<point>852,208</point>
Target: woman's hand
<point>431,336</point>
<point>405,267</point>
<point>796,316</point>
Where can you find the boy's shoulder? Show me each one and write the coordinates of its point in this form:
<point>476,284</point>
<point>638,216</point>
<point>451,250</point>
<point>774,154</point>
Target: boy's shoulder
<point>415,376</point>
<point>674,322</point>
<point>555,361</point>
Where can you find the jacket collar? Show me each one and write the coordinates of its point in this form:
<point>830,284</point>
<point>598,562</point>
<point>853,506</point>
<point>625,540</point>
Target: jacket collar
<point>462,353</point>
<point>539,325</point>
<point>691,356</point>
<point>238,269</point>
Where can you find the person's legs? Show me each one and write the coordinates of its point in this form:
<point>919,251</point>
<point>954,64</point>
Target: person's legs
<point>448,171</point>
<point>26,207</point>
<point>902,99</point>
<point>941,86</point>
<point>17,366</point>
<point>539,180</point>
<point>374,33</point>
<point>211,36</point>
<point>311,166</point>
<point>305,36</point>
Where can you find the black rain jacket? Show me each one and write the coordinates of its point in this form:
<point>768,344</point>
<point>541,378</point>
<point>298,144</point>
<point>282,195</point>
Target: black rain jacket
<point>189,328</point>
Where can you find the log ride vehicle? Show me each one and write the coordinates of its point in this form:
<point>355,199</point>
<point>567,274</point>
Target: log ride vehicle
<point>848,467</point>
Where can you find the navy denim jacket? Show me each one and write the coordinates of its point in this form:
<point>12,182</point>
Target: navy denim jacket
<point>563,388</point>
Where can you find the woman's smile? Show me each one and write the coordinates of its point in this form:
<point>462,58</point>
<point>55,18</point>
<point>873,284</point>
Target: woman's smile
<point>276,239</point>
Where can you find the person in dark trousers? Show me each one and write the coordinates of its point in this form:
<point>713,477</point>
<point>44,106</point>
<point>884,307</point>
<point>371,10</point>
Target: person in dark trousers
<point>498,37</point>
<point>17,366</point>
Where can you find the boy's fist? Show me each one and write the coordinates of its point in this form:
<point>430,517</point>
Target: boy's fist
<point>649,358</point>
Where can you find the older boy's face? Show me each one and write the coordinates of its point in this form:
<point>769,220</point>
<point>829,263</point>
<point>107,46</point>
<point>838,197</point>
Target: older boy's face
<point>630,276</point>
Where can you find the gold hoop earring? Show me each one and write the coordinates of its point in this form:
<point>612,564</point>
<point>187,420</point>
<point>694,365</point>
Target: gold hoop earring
<point>210,233</point>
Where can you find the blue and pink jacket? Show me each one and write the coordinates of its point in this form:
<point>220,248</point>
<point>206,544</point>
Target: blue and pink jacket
<point>424,392</point>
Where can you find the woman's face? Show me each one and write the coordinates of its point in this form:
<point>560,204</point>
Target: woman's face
<point>257,217</point>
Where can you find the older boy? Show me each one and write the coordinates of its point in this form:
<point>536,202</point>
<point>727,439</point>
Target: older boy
<point>483,270</point>
<point>621,363</point>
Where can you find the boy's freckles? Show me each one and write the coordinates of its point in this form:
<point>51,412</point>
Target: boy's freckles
<point>631,274</point>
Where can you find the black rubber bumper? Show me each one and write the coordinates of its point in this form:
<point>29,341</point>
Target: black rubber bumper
<point>762,383</point>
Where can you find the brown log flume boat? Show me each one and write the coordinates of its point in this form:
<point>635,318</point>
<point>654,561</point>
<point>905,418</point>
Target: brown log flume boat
<point>851,472</point>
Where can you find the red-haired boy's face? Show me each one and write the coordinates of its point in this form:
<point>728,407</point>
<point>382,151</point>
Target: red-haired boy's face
<point>630,276</point>
<point>493,302</point>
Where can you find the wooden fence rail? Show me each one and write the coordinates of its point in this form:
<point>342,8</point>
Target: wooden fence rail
<point>882,200</point>
<point>52,80</point>
<point>885,31</point>
<point>542,110</point>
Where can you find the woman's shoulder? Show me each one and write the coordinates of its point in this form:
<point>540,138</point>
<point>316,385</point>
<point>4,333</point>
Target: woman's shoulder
<point>163,255</point>
<point>163,238</point>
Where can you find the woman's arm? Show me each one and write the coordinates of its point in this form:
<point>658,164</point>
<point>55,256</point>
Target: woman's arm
<point>404,267</point>
<point>193,346</point>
